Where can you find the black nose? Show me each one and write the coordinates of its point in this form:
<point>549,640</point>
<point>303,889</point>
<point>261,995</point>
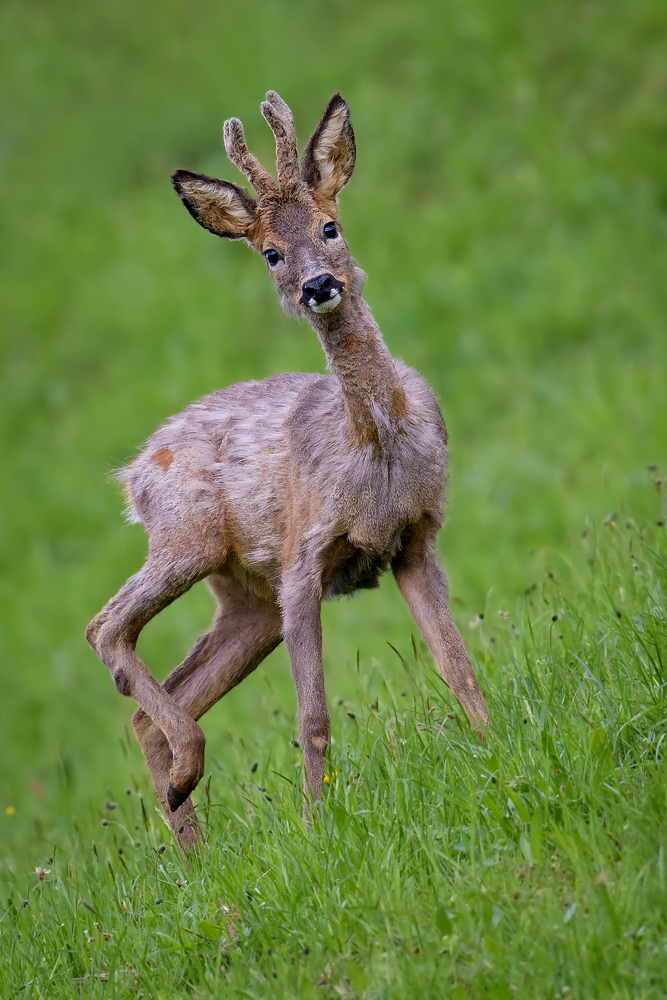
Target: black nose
<point>321,289</point>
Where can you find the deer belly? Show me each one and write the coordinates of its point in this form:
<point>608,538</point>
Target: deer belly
<point>346,568</point>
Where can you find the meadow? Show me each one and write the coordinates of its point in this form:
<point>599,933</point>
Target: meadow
<point>510,207</point>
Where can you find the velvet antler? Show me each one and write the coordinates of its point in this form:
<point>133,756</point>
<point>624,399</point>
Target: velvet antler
<point>237,151</point>
<point>279,119</point>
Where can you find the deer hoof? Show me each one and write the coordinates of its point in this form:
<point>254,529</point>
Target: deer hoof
<point>175,798</point>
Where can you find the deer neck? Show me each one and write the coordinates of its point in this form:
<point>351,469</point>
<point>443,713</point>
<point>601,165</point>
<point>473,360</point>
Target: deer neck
<point>356,354</point>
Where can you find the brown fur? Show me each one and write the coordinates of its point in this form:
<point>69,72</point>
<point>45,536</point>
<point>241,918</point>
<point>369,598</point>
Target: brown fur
<point>283,492</point>
<point>164,458</point>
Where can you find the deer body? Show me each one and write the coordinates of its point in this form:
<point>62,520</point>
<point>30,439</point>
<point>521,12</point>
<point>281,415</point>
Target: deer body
<point>286,491</point>
<point>255,469</point>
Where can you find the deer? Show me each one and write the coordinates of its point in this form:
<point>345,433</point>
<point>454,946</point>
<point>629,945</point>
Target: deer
<point>283,492</point>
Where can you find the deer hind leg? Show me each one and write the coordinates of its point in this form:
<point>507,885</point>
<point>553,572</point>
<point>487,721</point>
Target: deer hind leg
<point>424,587</point>
<point>113,634</point>
<point>245,629</point>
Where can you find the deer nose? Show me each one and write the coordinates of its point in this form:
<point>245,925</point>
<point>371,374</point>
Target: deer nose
<point>321,289</point>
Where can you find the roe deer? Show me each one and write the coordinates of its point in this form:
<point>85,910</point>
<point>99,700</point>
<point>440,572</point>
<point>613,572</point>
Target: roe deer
<point>282,492</point>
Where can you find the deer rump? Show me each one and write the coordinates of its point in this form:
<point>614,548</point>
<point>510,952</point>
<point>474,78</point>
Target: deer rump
<point>252,473</point>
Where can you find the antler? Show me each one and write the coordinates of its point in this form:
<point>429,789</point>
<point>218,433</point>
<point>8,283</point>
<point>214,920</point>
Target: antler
<point>280,121</point>
<point>237,151</point>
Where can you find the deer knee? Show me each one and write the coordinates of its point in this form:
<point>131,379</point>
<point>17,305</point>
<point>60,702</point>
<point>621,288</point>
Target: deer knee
<point>93,631</point>
<point>104,634</point>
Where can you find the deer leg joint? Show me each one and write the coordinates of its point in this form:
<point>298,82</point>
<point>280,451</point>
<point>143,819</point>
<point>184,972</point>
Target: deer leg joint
<point>122,682</point>
<point>176,798</point>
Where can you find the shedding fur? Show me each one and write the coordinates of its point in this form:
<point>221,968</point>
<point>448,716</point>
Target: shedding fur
<point>283,492</point>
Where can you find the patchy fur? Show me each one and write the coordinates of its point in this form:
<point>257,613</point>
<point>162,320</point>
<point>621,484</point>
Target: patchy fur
<point>286,491</point>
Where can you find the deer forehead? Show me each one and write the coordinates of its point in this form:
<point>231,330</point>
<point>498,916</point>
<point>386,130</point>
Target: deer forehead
<point>292,221</point>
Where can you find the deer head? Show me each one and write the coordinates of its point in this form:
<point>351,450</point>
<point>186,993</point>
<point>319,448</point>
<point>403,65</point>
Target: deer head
<point>293,223</point>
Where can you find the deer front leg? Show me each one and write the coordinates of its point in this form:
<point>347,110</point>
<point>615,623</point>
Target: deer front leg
<point>424,587</point>
<point>113,634</point>
<point>302,632</point>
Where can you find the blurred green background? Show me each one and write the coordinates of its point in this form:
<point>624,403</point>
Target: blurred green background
<point>510,207</point>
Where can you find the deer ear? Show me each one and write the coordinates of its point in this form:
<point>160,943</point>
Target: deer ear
<point>330,154</point>
<point>219,206</point>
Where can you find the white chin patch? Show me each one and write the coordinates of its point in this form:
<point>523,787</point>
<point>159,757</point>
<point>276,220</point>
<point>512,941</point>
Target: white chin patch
<point>325,307</point>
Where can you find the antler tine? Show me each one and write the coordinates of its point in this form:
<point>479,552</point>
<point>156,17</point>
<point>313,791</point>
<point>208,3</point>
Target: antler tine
<point>237,151</point>
<point>280,121</point>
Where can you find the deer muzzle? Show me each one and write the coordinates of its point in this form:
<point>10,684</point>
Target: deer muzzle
<point>322,294</point>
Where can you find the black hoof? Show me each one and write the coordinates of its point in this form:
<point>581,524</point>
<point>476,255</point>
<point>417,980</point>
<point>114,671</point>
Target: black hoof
<point>175,798</point>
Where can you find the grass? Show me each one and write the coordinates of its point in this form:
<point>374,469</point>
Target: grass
<point>509,205</point>
<point>533,865</point>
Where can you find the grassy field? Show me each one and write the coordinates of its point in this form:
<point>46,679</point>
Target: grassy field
<point>510,207</point>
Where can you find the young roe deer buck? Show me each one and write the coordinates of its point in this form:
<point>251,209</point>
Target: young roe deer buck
<point>283,492</point>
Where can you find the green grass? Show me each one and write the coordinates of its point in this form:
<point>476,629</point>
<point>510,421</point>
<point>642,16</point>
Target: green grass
<point>532,865</point>
<point>510,206</point>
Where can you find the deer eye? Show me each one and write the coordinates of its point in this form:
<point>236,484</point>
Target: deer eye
<point>272,256</point>
<point>330,231</point>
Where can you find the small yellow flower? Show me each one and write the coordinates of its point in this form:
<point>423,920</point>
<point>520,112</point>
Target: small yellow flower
<point>326,779</point>
<point>329,780</point>
<point>10,811</point>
